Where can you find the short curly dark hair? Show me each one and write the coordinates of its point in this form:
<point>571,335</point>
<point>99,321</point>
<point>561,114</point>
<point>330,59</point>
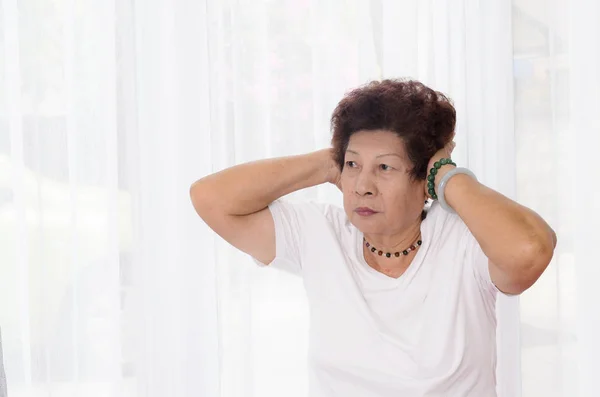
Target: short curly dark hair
<point>423,118</point>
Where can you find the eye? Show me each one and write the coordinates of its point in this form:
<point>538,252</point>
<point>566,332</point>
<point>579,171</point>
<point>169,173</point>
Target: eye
<point>385,167</point>
<point>350,164</point>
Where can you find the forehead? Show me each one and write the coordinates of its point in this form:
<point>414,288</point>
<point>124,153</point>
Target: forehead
<point>377,142</point>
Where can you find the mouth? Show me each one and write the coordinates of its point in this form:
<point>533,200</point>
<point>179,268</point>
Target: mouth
<point>365,211</point>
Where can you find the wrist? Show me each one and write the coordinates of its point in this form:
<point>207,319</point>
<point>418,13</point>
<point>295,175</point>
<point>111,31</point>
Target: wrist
<point>438,167</point>
<point>452,184</point>
<point>441,173</point>
<point>456,183</point>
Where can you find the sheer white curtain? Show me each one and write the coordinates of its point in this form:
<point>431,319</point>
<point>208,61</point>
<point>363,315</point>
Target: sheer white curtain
<point>557,130</point>
<point>109,283</point>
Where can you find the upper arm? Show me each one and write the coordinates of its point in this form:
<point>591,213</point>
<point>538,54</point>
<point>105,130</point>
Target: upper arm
<point>490,275</point>
<point>523,277</point>
<point>502,283</point>
<point>253,234</point>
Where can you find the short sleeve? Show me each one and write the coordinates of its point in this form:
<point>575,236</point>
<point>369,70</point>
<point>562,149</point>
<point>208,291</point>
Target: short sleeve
<point>287,241</point>
<point>295,223</point>
<point>478,261</point>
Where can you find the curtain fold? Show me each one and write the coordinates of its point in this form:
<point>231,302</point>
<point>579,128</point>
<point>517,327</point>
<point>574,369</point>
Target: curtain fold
<point>556,129</point>
<point>2,372</point>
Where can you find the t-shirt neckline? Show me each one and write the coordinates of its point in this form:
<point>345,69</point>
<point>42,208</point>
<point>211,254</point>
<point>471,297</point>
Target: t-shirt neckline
<point>414,265</point>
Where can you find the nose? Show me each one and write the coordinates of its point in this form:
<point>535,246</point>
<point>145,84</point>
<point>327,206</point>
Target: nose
<point>365,185</point>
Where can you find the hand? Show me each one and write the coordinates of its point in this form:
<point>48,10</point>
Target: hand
<point>445,152</point>
<point>333,175</point>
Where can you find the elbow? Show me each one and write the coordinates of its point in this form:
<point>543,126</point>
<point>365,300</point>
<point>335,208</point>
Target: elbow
<point>200,197</point>
<point>542,250</point>
<point>194,192</point>
<point>195,196</point>
<point>194,188</point>
<point>554,239</point>
<point>536,259</point>
<point>526,265</point>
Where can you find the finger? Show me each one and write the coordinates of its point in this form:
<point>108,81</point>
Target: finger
<point>452,146</point>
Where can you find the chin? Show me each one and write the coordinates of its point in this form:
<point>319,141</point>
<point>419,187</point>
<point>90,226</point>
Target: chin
<point>365,225</point>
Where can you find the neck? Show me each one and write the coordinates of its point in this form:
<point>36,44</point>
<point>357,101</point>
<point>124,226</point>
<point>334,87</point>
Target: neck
<point>396,242</point>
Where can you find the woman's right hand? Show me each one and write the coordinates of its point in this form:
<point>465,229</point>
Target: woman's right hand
<point>334,174</point>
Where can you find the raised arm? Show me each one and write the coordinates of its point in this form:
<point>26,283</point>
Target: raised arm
<point>234,202</point>
<point>517,241</point>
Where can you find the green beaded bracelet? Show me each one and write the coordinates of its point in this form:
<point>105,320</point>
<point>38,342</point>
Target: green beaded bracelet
<point>432,172</point>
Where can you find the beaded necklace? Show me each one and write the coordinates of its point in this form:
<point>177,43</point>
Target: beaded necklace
<point>396,254</point>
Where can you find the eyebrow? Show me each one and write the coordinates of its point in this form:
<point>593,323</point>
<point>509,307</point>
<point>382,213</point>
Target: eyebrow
<point>381,155</point>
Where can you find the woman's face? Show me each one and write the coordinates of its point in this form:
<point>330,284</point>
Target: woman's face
<point>379,195</point>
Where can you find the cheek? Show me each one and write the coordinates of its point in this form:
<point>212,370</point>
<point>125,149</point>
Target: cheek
<point>407,196</point>
<point>347,183</point>
<point>396,201</point>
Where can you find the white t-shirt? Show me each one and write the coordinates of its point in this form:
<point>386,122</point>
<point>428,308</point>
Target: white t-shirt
<point>430,332</point>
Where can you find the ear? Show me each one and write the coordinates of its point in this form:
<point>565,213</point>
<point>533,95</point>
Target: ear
<point>424,189</point>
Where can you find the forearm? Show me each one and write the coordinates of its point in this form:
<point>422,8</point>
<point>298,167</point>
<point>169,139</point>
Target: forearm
<point>246,188</point>
<point>513,237</point>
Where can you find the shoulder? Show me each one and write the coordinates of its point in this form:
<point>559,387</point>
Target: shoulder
<point>451,238</point>
<point>306,206</point>
<point>443,223</point>
<point>311,214</point>
<point>446,232</point>
<point>309,209</point>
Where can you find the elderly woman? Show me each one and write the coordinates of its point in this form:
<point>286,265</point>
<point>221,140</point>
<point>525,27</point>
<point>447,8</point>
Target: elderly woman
<point>402,281</point>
